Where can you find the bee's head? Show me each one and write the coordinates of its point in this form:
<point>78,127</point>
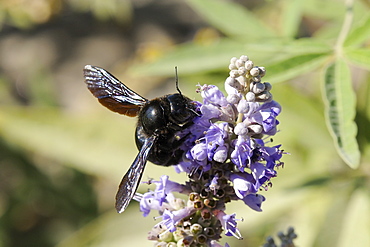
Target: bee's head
<point>187,102</point>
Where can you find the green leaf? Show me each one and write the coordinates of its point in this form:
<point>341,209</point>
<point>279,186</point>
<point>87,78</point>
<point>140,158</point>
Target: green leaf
<point>83,143</point>
<point>293,66</point>
<point>361,57</point>
<point>291,15</point>
<point>359,34</point>
<point>332,216</point>
<point>356,225</point>
<point>324,9</point>
<point>230,18</point>
<point>340,111</point>
<point>193,58</point>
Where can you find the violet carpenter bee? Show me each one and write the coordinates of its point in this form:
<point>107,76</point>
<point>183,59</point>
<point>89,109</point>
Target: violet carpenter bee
<point>159,122</point>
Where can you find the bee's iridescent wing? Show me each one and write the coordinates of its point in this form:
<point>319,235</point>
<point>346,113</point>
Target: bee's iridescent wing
<point>112,93</point>
<point>130,182</point>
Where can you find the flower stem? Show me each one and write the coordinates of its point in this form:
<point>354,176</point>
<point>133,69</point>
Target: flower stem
<point>348,18</point>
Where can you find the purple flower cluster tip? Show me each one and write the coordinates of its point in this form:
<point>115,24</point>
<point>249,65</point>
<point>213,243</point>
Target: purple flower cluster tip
<point>226,157</point>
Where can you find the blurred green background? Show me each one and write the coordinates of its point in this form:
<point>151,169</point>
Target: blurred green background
<point>62,155</point>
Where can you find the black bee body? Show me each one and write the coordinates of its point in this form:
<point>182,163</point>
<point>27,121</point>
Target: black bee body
<point>161,129</point>
<point>165,117</point>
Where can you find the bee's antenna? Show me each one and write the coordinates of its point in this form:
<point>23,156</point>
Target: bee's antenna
<point>177,81</point>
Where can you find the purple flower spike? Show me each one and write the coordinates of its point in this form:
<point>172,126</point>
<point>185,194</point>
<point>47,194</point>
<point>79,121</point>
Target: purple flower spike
<point>225,157</point>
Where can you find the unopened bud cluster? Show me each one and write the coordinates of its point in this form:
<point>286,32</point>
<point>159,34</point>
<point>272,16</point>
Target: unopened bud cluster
<point>245,79</point>
<point>245,89</point>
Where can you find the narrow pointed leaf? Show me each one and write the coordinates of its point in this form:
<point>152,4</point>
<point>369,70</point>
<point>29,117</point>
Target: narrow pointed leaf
<point>361,57</point>
<point>230,18</point>
<point>333,217</point>
<point>291,18</point>
<point>359,34</point>
<point>294,66</point>
<point>340,111</point>
<point>194,58</point>
<point>324,9</point>
<point>356,225</point>
<point>85,144</point>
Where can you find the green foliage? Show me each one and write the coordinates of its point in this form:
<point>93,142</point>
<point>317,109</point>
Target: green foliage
<point>55,165</point>
<point>285,58</point>
<point>340,111</point>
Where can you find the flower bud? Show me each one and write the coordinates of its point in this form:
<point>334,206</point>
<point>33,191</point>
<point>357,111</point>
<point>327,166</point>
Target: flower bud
<point>262,71</point>
<point>242,71</point>
<point>234,73</point>
<point>220,154</point>
<point>227,113</point>
<point>244,58</point>
<point>243,106</point>
<point>258,87</point>
<point>250,97</point>
<point>264,97</point>
<point>268,86</point>
<point>242,81</point>
<point>232,66</point>
<point>256,78</point>
<point>233,98</point>
<point>249,65</point>
<point>255,128</point>
<point>230,81</point>
<point>239,63</point>
<point>233,82</point>
<point>241,129</point>
<point>231,85</point>
<point>233,60</point>
<point>254,71</point>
